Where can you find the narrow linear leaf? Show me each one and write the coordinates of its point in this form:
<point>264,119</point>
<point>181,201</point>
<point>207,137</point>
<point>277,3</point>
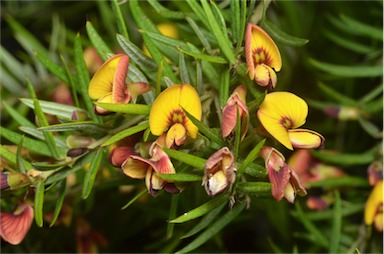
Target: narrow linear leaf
<point>11,157</point>
<point>172,214</point>
<point>319,236</point>
<point>54,68</point>
<point>255,170</point>
<point>70,82</point>
<point>198,10</point>
<point>214,229</point>
<point>90,175</point>
<point>201,210</point>
<point>141,19</point>
<point>83,78</point>
<point>16,115</point>
<point>199,34</point>
<point>345,159</point>
<point>345,181</point>
<point>39,134</point>
<point>281,36</point>
<point>186,158</point>
<point>38,203</point>
<point>121,27</point>
<point>205,130</point>
<point>252,155</point>
<point>243,19</point>
<point>347,43</point>
<point>19,161</point>
<point>184,73</point>
<point>362,28</point>
<point>334,241</point>
<point>74,126</point>
<point>222,39</point>
<point>348,71</point>
<point>204,222</point>
<point>136,54</point>
<point>370,128</point>
<point>339,97</point>
<point>328,214</point>
<point>59,202</point>
<point>53,108</point>
<point>137,109</point>
<point>125,133</point>
<point>181,177</point>
<point>139,195</point>
<point>378,90</point>
<point>164,12</point>
<point>258,189</point>
<point>101,47</point>
<point>235,24</point>
<point>208,58</point>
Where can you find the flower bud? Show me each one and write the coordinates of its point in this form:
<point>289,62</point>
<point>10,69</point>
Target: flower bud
<point>219,171</point>
<point>74,141</point>
<point>14,180</point>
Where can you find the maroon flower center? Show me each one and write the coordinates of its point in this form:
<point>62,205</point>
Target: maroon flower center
<point>261,56</point>
<point>286,122</point>
<point>176,116</point>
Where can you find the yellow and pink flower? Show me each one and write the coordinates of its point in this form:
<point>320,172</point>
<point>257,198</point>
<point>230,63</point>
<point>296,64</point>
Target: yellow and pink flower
<point>281,113</point>
<point>262,56</point>
<point>167,114</point>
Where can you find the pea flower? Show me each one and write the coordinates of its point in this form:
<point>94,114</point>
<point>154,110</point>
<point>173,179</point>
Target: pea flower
<point>15,226</point>
<point>219,171</point>
<point>141,168</point>
<point>236,103</point>
<point>262,56</point>
<point>285,182</point>
<point>281,113</point>
<point>374,207</point>
<point>108,85</point>
<point>167,114</point>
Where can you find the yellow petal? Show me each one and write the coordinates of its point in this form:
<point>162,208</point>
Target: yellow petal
<point>260,48</point>
<point>306,139</point>
<point>265,76</point>
<point>107,98</point>
<point>167,109</point>
<point>135,167</point>
<point>281,111</point>
<point>102,82</point>
<point>375,200</point>
<point>177,134</point>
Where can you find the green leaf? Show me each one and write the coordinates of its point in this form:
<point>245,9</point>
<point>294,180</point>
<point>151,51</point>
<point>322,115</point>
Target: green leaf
<point>38,203</point>
<point>72,86</point>
<point>358,71</point>
<point>205,221</point>
<point>53,108</point>
<point>101,47</point>
<point>20,119</point>
<point>164,12</point>
<point>140,18</point>
<point>378,90</point>
<point>347,43</point>
<point>222,39</point>
<point>334,241</point>
<point>186,158</point>
<point>83,77</point>
<point>75,126</point>
<point>54,68</point>
<point>339,97</point>
<point>11,157</point>
<point>214,229</point>
<point>38,147</point>
<point>90,175</point>
<point>136,54</point>
<point>201,210</point>
<point>172,214</point>
<point>235,24</point>
<point>137,109</point>
<point>362,28</point>
<point>344,159</point>
<point>258,189</point>
<point>347,181</point>
<point>181,177</point>
<point>199,33</point>
<point>281,36</point>
<point>370,128</point>
<point>208,58</point>
<point>184,73</point>
<point>255,170</point>
<point>19,159</point>
<point>318,235</point>
<point>125,133</point>
<point>59,202</point>
<point>205,130</point>
<point>48,136</point>
<point>252,155</point>
<point>224,89</point>
<point>39,134</point>
<point>139,195</point>
<point>121,27</point>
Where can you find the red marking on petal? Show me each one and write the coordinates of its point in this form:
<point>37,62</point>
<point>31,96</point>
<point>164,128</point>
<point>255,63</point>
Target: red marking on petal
<point>120,92</point>
<point>279,180</point>
<point>15,226</point>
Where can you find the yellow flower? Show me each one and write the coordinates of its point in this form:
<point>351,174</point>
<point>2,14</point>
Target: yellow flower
<point>374,207</point>
<point>262,56</point>
<point>167,114</point>
<point>281,113</point>
<point>109,85</point>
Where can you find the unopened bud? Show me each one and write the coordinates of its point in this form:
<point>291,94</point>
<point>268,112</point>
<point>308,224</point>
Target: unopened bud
<point>14,180</point>
<point>342,113</point>
<point>75,152</point>
<point>79,115</point>
<point>74,141</point>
